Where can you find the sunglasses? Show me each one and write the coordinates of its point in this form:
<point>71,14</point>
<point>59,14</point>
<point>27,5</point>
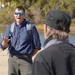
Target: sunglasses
<point>20,13</point>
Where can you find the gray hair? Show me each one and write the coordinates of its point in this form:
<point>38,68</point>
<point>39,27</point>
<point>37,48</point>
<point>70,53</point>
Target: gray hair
<point>57,34</point>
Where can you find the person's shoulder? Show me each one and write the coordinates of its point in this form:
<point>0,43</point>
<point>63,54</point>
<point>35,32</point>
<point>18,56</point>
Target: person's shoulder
<point>30,25</point>
<point>43,56</point>
<point>29,22</point>
<point>9,25</point>
<point>39,57</point>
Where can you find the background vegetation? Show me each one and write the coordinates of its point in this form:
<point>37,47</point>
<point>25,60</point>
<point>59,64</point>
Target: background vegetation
<point>35,10</point>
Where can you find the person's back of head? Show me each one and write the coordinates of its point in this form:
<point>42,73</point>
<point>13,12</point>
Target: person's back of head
<point>58,56</point>
<point>59,24</point>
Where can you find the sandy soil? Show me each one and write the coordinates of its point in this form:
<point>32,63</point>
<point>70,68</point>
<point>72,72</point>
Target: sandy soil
<point>4,62</point>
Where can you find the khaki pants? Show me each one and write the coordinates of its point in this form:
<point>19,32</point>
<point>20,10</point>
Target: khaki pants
<point>17,66</point>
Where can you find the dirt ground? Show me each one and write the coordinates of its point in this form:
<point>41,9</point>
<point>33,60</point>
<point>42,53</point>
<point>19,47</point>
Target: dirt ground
<point>4,62</point>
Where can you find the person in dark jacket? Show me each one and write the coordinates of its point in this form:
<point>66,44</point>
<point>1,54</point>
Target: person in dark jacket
<point>23,41</point>
<point>58,56</point>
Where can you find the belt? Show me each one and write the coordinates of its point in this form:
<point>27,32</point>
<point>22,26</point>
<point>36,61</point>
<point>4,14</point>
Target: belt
<point>12,55</point>
<point>24,57</point>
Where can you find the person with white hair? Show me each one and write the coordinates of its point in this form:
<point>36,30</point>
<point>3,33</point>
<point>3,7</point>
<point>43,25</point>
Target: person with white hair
<point>58,56</point>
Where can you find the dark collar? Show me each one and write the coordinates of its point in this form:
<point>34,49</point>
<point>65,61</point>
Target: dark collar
<point>47,40</point>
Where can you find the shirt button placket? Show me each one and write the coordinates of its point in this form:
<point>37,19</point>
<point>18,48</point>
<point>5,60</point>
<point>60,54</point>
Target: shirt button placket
<point>18,38</point>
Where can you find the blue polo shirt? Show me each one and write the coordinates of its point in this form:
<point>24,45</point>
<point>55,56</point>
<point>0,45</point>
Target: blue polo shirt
<point>21,40</point>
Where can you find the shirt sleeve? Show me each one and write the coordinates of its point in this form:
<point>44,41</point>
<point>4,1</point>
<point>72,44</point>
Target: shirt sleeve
<point>40,67</point>
<point>36,38</point>
<point>6,34</point>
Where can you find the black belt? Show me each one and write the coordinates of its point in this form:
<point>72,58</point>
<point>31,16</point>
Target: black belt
<point>24,57</point>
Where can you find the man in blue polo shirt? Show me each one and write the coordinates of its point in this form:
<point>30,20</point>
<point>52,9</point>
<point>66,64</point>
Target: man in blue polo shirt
<point>22,44</point>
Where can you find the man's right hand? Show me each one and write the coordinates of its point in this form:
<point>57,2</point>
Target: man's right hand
<point>5,41</point>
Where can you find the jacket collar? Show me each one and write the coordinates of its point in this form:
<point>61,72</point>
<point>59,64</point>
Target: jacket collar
<point>51,41</point>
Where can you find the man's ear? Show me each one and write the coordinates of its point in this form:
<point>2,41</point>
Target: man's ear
<point>45,30</point>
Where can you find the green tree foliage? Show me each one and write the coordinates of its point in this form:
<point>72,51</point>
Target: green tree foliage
<point>37,9</point>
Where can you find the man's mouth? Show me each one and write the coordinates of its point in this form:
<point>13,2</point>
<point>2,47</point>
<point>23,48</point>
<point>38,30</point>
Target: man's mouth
<point>18,18</point>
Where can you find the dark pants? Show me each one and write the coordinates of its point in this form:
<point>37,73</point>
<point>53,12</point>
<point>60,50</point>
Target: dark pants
<point>17,66</point>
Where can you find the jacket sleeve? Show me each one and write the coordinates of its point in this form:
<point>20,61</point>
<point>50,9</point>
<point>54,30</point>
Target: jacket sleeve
<point>6,34</point>
<point>40,67</point>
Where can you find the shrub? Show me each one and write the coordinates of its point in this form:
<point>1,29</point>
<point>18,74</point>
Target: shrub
<point>6,15</point>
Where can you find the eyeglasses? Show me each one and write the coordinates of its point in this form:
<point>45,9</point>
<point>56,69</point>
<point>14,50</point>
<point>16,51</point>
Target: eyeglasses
<point>20,13</point>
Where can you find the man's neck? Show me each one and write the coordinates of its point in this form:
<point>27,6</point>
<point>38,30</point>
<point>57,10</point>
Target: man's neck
<point>18,23</point>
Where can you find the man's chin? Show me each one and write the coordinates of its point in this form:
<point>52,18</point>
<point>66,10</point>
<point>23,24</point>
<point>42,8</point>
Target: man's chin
<point>18,20</point>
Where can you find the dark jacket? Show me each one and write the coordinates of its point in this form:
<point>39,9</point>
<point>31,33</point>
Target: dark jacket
<point>57,59</point>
